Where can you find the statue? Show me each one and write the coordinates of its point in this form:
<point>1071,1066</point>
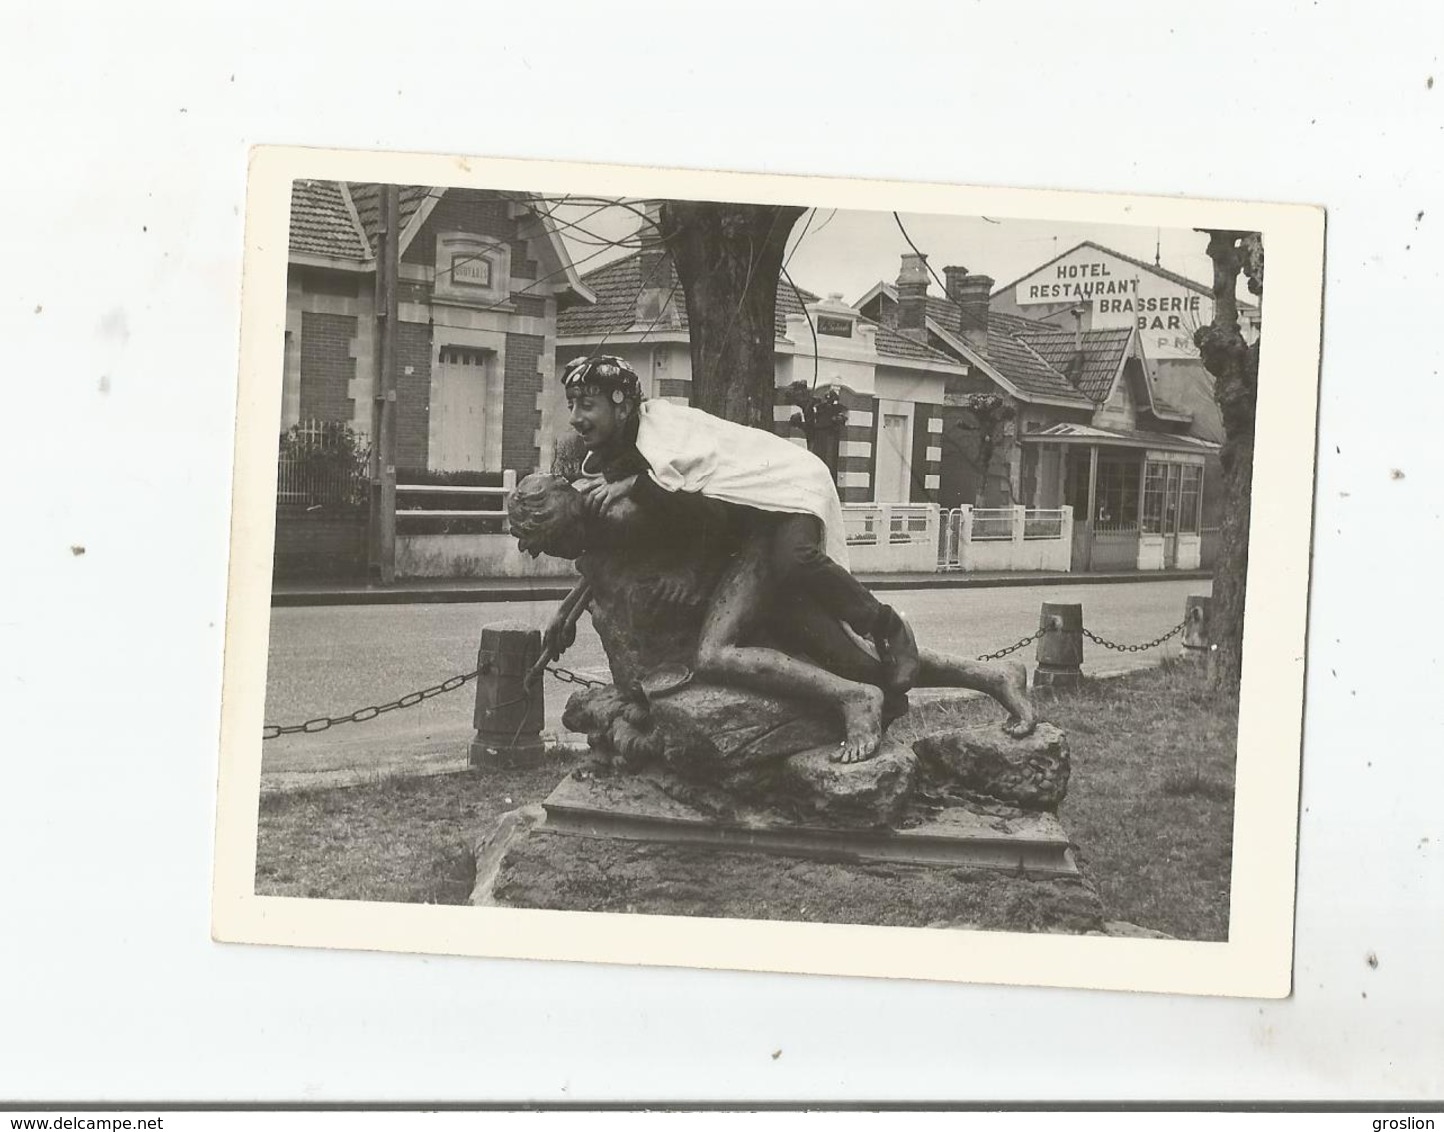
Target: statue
<point>745,530</point>
<point>753,683</point>
<point>690,599</point>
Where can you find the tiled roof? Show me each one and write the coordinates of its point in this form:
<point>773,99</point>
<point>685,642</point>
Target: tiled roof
<point>321,223</point>
<point>950,316</point>
<point>367,197</point>
<point>1021,365</point>
<point>617,286</point>
<point>893,344</point>
<point>1093,372</point>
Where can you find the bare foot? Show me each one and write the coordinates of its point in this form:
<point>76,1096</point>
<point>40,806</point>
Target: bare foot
<point>1013,695</point>
<point>862,715</point>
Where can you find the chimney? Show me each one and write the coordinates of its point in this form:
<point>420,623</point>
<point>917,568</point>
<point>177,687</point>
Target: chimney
<point>912,297</point>
<point>954,277</point>
<point>654,274</point>
<point>972,299</point>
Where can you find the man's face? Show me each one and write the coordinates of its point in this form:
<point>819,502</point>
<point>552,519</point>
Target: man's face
<point>597,419</point>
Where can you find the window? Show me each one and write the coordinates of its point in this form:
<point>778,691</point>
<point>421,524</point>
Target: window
<point>1155,491</point>
<point>1189,489</point>
<point>1115,493</point>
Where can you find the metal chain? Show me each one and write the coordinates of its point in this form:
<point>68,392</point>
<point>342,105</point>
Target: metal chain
<point>411,699</point>
<point>567,676</point>
<point>1021,643</point>
<point>1097,640</point>
<point>361,715</point>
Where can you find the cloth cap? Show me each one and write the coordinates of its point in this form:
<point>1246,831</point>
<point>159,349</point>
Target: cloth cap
<point>606,374</point>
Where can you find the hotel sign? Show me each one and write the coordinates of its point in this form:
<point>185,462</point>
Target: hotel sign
<point>1121,294</point>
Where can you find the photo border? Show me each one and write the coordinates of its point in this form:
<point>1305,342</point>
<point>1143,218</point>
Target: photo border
<point>1256,960</point>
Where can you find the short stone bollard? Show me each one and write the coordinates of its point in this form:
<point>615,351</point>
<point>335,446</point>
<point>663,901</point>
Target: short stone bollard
<point>1196,612</point>
<point>509,716</point>
<point>1060,648</point>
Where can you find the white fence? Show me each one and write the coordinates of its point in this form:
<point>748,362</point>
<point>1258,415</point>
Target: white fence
<point>1005,538</point>
<point>881,538</point>
<point>891,537</point>
<point>462,493</point>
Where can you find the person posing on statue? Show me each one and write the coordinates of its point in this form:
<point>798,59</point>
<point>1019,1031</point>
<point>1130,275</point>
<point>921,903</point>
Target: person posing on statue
<point>657,455</point>
<point>650,450</point>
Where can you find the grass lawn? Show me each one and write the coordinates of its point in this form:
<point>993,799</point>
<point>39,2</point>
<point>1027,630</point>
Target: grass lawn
<point>1150,805</point>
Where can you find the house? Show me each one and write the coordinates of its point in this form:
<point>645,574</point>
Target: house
<point>1089,427</point>
<point>480,275</point>
<point>1109,289</point>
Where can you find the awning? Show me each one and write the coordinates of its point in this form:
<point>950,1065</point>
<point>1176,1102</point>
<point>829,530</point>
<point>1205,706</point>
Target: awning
<point>1118,438</point>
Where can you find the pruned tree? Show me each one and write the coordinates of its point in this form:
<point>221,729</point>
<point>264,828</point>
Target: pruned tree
<point>1233,362</point>
<point>728,258</point>
<point>990,412</point>
<point>820,417</point>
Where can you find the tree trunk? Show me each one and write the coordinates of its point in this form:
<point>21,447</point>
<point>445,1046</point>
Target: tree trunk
<point>1234,366</point>
<point>728,258</point>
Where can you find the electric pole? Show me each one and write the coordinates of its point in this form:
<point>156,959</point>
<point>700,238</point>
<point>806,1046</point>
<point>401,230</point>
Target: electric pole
<point>383,509</point>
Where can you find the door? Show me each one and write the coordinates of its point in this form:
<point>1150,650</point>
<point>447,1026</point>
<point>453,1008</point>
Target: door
<point>892,459</point>
<point>458,410</point>
<point>1172,488</point>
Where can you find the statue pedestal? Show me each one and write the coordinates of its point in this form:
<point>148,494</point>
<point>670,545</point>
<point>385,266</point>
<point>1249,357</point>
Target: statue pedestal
<point>636,843</point>
<point>639,808</point>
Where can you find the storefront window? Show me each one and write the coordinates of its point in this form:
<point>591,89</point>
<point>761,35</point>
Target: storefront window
<point>1155,493</point>
<point>1117,495</point>
<point>1189,490</point>
<point>1116,492</point>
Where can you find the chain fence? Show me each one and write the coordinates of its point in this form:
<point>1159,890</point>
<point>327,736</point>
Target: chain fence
<point>567,676</point>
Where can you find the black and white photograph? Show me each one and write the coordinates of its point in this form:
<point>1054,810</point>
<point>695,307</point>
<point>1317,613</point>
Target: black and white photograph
<point>780,556</point>
<point>758,561</point>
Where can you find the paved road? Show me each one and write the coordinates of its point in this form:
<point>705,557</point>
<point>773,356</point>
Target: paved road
<point>333,659</point>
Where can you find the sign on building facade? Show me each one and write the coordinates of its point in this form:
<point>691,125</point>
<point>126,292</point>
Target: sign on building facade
<point>1118,294</point>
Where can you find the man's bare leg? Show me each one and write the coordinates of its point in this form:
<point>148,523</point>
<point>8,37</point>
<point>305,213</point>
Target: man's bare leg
<point>740,596</point>
<point>1006,682</point>
<point>824,640</point>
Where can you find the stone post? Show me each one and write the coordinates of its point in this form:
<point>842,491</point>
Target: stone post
<point>508,717</point>
<point>1195,627</point>
<point>1060,648</point>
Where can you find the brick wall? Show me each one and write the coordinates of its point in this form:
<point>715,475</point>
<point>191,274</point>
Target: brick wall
<point>482,214</point>
<point>520,415</point>
<point>530,306</point>
<point>327,366</point>
<point>413,393</point>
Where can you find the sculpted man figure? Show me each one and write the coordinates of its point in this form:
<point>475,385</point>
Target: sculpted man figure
<point>762,523</point>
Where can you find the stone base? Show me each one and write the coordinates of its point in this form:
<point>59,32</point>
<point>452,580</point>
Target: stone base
<point>487,751</point>
<point>527,862</point>
<point>640,808</point>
